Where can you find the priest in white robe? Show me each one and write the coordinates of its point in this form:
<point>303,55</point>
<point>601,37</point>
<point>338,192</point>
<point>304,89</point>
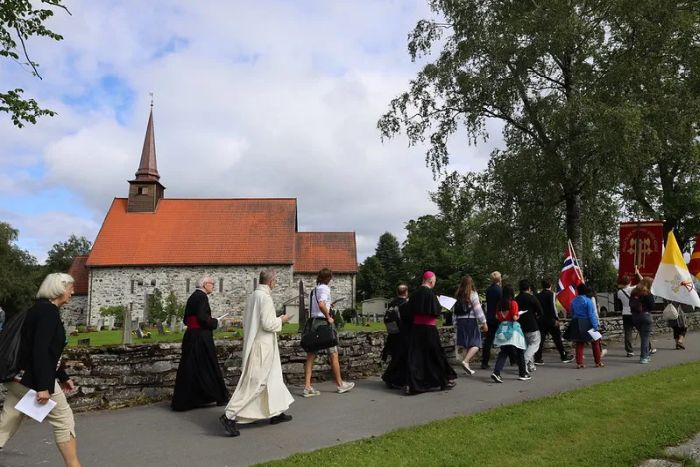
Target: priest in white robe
<point>261,392</point>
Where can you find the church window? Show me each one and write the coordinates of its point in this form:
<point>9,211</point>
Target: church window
<point>133,285</point>
<point>221,285</point>
<point>143,190</point>
<point>153,282</point>
<point>187,286</point>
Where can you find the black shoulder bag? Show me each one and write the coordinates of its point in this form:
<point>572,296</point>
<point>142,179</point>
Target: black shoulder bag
<point>322,337</point>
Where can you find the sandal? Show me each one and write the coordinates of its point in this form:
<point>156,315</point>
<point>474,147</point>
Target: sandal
<point>600,365</point>
<point>578,367</point>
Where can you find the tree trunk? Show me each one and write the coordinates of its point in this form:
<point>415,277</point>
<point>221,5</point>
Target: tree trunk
<point>573,218</point>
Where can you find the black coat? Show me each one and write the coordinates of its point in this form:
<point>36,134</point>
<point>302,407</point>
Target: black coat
<point>198,305</point>
<point>43,340</point>
<point>546,299</point>
<point>528,321</point>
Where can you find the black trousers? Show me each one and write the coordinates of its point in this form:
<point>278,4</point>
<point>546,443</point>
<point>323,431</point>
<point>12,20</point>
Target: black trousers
<point>488,342</point>
<point>549,327</point>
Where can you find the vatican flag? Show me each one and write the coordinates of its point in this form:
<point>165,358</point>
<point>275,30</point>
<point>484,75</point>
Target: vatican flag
<point>673,280</point>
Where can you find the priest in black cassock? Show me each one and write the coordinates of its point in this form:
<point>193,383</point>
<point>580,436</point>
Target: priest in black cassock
<point>199,380</point>
<point>428,368</point>
<point>398,323</point>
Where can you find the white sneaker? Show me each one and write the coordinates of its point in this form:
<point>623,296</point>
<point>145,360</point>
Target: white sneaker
<point>310,392</point>
<point>345,387</point>
<point>603,353</point>
<point>469,371</point>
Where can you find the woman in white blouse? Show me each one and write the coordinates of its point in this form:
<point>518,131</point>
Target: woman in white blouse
<point>469,321</point>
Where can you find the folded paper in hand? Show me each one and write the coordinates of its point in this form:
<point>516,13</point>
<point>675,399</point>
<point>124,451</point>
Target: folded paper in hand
<point>29,406</point>
<point>446,302</point>
<point>595,334</point>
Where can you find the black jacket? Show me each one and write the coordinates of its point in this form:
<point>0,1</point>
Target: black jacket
<point>546,299</point>
<point>43,340</point>
<point>198,305</point>
<point>528,321</point>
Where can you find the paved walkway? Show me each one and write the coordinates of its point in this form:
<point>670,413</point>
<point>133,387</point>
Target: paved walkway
<point>155,436</point>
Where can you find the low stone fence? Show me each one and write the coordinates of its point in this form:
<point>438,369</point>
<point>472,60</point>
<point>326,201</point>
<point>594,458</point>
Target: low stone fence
<point>120,376</point>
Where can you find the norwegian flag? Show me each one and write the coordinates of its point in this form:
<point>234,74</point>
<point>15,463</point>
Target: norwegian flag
<point>569,279</point>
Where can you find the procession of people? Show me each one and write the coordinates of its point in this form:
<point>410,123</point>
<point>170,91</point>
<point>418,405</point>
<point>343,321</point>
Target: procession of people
<point>417,361</point>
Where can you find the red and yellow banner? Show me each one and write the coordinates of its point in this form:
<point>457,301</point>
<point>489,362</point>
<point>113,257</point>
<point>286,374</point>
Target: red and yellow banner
<point>641,244</point>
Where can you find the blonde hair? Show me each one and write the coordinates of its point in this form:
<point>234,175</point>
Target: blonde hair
<point>54,285</point>
<point>495,276</point>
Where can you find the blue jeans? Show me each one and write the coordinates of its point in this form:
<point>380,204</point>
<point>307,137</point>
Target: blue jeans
<point>642,322</point>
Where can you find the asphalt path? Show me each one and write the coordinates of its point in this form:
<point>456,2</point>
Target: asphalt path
<point>153,435</point>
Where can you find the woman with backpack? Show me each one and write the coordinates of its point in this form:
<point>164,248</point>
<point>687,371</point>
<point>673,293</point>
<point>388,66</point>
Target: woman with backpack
<point>469,321</point>
<point>43,339</point>
<point>641,306</point>
<point>583,319</point>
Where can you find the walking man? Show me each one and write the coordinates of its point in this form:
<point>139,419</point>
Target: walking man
<point>549,323</point>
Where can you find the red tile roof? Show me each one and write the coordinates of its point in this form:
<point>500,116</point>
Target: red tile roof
<point>317,250</point>
<point>198,231</point>
<point>80,274</point>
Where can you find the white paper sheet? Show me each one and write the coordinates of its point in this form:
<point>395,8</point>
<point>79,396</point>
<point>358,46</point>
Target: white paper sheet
<point>446,302</point>
<point>595,334</point>
<point>521,312</point>
<point>29,406</point>
<point>222,317</point>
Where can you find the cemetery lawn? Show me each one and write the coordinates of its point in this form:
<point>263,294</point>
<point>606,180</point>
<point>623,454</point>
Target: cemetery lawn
<point>621,422</point>
<point>102,338</point>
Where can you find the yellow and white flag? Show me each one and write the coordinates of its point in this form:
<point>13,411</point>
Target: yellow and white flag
<point>673,280</point>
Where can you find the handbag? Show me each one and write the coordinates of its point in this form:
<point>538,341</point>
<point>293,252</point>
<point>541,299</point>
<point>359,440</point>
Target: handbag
<point>670,313</point>
<point>323,337</point>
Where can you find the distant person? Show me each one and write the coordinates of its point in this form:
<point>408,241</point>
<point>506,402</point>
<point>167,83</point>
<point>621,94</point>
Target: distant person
<point>584,319</point>
<point>679,327</point>
<point>398,324</point>
<point>41,369</point>
<point>428,368</point>
<point>260,393</point>
<point>530,313</point>
<point>469,321</point>
<point>509,337</point>
<point>623,295</point>
<point>199,381</point>
<point>549,323</point>
<point>493,296</point>
<point>321,313</point>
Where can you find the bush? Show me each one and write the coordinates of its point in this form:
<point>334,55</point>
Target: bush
<point>115,311</point>
<point>348,314</point>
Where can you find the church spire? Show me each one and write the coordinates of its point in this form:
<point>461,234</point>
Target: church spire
<point>146,190</point>
<point>148,167</point>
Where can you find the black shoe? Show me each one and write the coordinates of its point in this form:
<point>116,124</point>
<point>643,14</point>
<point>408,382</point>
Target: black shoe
<point>567,359</point>
<point>539,362</point>
<point>283,417</point>
<point>229,425</point>
<point>485,366</point>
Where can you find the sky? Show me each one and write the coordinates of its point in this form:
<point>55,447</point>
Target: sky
<point>251,99</point>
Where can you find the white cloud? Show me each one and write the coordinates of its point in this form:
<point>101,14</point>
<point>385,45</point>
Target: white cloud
<point>252,99</point>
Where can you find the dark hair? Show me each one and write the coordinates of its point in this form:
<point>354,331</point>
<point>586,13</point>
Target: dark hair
<point>506,297</point>
<point>465,289</point>
<point>546,283</point>
<point>625,280</point>
<point>524,285</point>
<point>324,276</point>
<point>583,289</point>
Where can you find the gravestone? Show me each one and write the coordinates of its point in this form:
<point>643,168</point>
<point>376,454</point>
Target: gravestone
<point>139,333</point>
<point>161,330</point>
<point>126,331</point>
<point>84,342</point>
<point>173,323</point>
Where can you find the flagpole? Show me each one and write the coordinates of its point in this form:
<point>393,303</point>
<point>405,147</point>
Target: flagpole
<point>578,270</point>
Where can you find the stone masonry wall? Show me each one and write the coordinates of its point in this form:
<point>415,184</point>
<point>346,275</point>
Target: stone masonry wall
<point>112,286</point>
<point>120,376</point>
<point>75,311</point>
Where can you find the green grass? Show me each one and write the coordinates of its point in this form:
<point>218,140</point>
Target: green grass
<point>103,338</point>
<point>619,423</point>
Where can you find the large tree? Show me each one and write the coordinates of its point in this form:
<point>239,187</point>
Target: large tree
<point>19,277</point>
<point>61,255</point>
<point>655,69</point>
<point>371,279</point>
<point>388,252</point>
<point>19,21</point>
<point>536,67</point>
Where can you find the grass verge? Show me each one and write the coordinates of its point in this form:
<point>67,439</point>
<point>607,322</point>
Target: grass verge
<point>618,423</point>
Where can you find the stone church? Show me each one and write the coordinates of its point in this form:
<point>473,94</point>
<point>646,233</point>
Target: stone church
<point>149,241</point>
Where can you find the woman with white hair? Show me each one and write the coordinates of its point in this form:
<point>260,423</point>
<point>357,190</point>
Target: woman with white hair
<point>199,380</point>
<point>42,342</point>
